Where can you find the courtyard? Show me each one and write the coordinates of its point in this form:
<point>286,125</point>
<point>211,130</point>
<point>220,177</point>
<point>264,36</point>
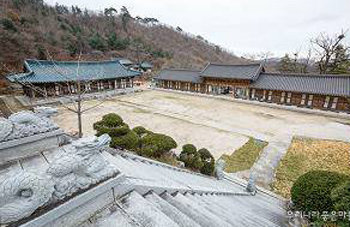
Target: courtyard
<point>219,125</point>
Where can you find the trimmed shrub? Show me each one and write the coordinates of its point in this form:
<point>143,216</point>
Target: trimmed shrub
<point>191,157</point>
<point>341,197</point>
<point>189,149</point>
<point>312,191</point>
<point>156,145</point>
<point>122,136</point>
<point>140,131</point>
<point>208,162</point>
<point>129,141</point>
<point>112,120</point>
<point>112,124</point>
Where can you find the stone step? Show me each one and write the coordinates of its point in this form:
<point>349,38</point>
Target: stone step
<point>172,212</point>
<point>192,209</point>
<point>223,212</point>
<point>145,212</point>
<point>116,219</point>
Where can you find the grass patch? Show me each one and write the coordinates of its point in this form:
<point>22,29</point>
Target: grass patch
<point>305,155</point>
<point>244,157</point>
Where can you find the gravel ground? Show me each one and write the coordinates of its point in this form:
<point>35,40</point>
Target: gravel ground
<point>219,125</point>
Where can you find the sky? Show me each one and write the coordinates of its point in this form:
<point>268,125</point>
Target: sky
<point>242,26</point>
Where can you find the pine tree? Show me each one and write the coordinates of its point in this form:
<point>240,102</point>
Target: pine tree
<point>285,64</point>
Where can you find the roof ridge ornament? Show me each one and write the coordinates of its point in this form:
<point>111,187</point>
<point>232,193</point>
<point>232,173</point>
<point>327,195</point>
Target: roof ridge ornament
<point>81,165</point>
<point>27,123</point>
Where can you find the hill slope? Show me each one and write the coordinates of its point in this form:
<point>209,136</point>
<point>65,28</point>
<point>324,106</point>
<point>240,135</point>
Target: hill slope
<point>33,29</point>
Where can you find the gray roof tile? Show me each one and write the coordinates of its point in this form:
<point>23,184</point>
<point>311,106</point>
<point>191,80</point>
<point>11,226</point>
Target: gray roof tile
<point>308,83</point>
<point>243,72</point>
<point>180,75</point>
<point>39,71</point>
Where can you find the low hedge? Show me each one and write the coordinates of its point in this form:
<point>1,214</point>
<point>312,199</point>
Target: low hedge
<point>341,197</point>
<point>129,141</point>
<point>312,191</point>
<point>156,145</point>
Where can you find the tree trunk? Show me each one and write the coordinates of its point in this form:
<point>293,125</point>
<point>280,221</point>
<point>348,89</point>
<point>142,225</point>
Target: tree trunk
<point>80,126</point>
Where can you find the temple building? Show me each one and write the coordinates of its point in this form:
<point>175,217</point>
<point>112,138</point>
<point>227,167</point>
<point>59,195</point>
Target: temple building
<point>250,81</point>
<point>55,78</point>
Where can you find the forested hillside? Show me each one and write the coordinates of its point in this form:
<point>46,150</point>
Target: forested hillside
<point>33,29</point>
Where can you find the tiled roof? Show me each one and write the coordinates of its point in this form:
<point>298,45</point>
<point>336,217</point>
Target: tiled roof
<point>146,65</point>
<point>180,75</point>
<point>308,83</point>
<point>124,61</point>
<point>39,71</point>
<point>244,72</point>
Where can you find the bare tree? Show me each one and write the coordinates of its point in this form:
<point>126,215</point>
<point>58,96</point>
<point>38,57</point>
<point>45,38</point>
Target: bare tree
<point>73,101</point>
<point>326,48</point>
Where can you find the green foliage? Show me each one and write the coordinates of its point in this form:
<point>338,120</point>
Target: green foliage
<point>156,145</point>
<point>191,157</point>
<point>129,141</point>
<point>140,131</point>
<point>41,55</point>
<point>244,158</point>
<point>341,61</point>
<point>126,17</point>
<point>112,120</point>
<point>8,25</point>
<point>208,162</point>
<point>117,43</point>
<point>122,136</point>
<point>97,42</point>
<point>312,191</point>
<point>341,197</point>
<point>286,64</point>
<point>189,149</point>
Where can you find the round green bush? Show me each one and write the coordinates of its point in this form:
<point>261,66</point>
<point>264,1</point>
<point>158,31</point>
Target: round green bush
<point>208,162</point>
<point>112,120</point>
<point>341,197</point>
<point>312,191</point>
<point>155,144</point>
<point>189,149</point>
<point>191,157</point>
<point>129,141</point>
<point>140,131</point>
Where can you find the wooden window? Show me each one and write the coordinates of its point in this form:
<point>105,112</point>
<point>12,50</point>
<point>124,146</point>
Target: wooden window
<point>326,102</point>
<point>309,102</point>
<point>283,95</point>
<point>303,98</point>
<point>334,103</point>
<point>269,98</point>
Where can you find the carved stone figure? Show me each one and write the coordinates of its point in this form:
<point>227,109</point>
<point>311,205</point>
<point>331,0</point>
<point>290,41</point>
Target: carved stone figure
<point>21,193</point>
<point>27,123</point>
<point>219,169</point>
<point>5,128</point>
<point>80,166</point>
<point>45,111</point>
